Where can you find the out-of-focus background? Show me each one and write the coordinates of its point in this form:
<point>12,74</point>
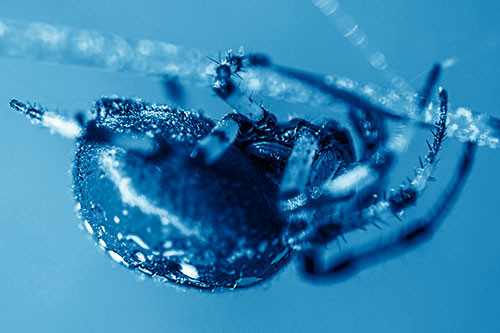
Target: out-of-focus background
<point>53,278</point>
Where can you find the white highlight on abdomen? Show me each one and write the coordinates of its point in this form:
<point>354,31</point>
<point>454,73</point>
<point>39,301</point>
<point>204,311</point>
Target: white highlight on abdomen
<point>131,197</point>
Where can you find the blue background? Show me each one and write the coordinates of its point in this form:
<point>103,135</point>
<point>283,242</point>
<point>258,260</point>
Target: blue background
<point>52,277</point>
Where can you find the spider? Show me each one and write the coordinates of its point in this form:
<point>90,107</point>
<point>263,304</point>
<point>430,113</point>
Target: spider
<point>227,204</point>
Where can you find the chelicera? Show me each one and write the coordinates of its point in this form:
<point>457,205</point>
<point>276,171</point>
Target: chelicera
<point>227,204</point>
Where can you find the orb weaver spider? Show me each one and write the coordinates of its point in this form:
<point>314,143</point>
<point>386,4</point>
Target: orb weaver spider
<point>226,204</point>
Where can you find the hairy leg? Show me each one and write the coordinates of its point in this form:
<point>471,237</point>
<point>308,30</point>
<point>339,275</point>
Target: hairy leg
<point>73,128</point>
<point>374,230</point>
<point>384,241</point>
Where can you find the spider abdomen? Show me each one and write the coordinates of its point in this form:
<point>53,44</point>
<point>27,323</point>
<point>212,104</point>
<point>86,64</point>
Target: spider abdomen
<point>177,218</point>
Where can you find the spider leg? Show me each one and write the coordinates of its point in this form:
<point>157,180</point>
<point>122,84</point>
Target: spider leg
<point>293,196</point>
<point>322,84</point>
<point>430,83</point>
<point>146,145</point>
<point>225,87</point>
<point>335,150</point>
<point>226,130</point>
<point>394,232</point>
<point>368,123</point>
<point>374,166</point>
<point>298,204</point>
<point>298,168</point>
<point>359,179</point>
<point>217,141</point>
<point>398,200</point>
<point>73,128</point>
<point>370,128</point>
<point>351,258</point>
<point>316,157</point>
<point>67,128</point>
<point>174,89</point>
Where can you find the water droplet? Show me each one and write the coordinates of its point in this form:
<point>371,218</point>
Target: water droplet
<point>172,253</point>
<point>102,243</point>
<point>88,227</point>
<point>138,241</point>
<point>248,281</point>
<point>279,256</point>
<point>377,60</point>
<point>189,270</point>
<point>140,256</point>
<point>145,271</point>
<point>116,257</point>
